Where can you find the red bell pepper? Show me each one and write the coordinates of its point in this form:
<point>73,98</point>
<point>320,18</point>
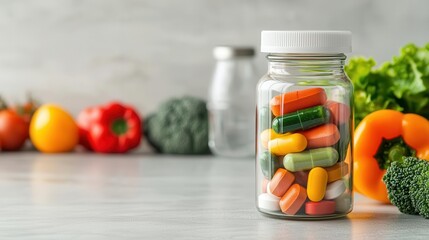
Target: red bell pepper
<point>111,128</point>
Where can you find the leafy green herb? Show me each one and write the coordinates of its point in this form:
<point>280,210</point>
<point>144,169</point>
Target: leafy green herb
<point>401,84</point>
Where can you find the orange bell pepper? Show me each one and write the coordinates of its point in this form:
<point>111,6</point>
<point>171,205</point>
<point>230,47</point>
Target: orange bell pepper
<point>382,137</point>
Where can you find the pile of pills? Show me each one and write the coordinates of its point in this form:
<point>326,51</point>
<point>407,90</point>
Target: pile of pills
<point>302,155</point>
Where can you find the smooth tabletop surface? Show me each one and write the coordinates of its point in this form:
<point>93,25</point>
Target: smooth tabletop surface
<point>143,196</point>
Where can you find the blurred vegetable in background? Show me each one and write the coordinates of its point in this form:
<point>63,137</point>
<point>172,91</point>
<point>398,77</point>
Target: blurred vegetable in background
<point>53,130</point>
<point>27,109</point>
<point>180,126</point>
<point>3,104</point>
<point>110,128</point>
<point>13,131</point>
<point>401,84</point>
<point>14,124</point>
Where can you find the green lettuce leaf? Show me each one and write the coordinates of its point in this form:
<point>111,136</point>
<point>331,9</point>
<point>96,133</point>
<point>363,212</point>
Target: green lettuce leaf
<point>401,84</point>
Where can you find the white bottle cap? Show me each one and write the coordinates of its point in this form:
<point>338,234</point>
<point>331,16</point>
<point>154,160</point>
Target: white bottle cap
<point>306,41</point>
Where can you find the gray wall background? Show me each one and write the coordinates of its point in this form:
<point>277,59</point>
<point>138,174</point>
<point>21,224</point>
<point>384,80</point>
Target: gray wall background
<point>84,52</point>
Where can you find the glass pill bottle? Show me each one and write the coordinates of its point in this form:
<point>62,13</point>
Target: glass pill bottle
<point>231,102</point>
<point>304,129</point>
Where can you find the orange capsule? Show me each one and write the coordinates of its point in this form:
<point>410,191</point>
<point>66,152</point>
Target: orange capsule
<point>337,171</point>
<point>340,112</point>
<point>322,136</point>
<point>296,100</point>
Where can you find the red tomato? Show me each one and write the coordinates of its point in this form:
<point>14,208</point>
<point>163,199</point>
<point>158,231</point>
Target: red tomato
<point>25,110</point>
<point>13,131</point>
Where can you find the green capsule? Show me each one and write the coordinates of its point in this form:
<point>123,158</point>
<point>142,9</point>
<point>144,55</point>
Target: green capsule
<point>319,157</point>
<point>301,119</point>
<point>264,118</point>
<point>269,164</point>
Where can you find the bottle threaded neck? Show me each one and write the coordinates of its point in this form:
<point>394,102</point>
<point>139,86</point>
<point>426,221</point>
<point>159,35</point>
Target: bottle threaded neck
<point>306,64</point>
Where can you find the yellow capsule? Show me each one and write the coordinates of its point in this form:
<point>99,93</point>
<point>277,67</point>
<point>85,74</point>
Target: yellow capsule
<point>290,143</point>
<point>316,185</point>
<point>268,135</point>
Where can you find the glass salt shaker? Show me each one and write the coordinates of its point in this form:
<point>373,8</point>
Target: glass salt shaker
<point>231,102</point>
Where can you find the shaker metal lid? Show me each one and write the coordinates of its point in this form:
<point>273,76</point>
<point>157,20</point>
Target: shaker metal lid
<point>228,52</point>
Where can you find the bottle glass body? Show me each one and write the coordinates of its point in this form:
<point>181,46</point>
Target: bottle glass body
<point>304,137</point>
<point>231,108</point>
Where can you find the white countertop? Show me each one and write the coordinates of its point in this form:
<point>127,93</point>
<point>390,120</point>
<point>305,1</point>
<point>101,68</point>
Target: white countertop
<point>142,196</point>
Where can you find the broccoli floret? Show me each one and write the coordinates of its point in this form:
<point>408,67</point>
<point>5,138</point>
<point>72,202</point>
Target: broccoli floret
<point>420,194</point>
<point>400,178</point>
<point>397,180</point>
<point>180,126</point>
